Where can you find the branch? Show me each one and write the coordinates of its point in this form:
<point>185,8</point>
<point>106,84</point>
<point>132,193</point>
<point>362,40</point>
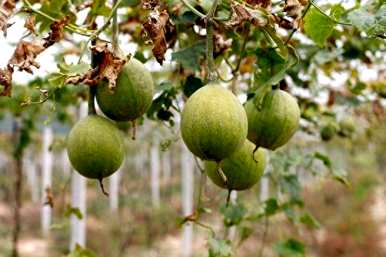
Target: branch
<point>70,27</point>
<point>101,29</point>
<point>328,16</point>
<point>194,10</point>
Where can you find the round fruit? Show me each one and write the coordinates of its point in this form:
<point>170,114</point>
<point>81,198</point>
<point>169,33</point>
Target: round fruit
<point>346,127</point>
<point>95,147</point>
<point>213,123</point>
<point>327,132</point>
<point>275,122</point>
<point>242,169</point>
<point>131,97</point>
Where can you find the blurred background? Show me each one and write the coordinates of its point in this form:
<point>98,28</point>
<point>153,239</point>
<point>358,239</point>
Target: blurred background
<point>322,195</point>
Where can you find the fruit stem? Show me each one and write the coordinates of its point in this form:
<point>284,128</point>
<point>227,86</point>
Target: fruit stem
<point>92,89</point>
<point>114,39</point>
<point>228,197</point>
<point>211,74</point>
<point>91,100</point>
<point>102,187</point>
<point>134,129</point>
<point>254,151</point>
<point>221,173</point>
<point>201,190</point>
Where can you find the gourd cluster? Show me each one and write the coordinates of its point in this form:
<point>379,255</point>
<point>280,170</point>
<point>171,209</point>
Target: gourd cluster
<point>230,138</point>
<point>215,127</point>
<point>95,145</point>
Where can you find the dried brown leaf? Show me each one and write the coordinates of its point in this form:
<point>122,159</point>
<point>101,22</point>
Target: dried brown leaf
<point>261,3</point>
<point>284,22</point>
<point>150,4</point>
<point>241,14</point>
<point>293,8</point>
<point>220,44</point>
<point>30,24</point>
<point>6,10</point>
<point>162,33</point>
<point>6,80</point>
<point>304,2</point>
<point>331,97</point>
<point>109,65</point>
<point>25,54</point>
<point>57,32</point>
<point>49,197</point>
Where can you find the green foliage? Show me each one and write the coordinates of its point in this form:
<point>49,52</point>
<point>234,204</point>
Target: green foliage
<point>162,107</point>
<point>257,56</point>
<point>219,248</point>
<point>73,210</point>
<point>233,214</point>
<point>317,26</point>
<point>310,221</point>
<point>370,18</point>
<point>190,57</point>
<point>81,252</point>
<point>289,248</point>
<point>99,7</point>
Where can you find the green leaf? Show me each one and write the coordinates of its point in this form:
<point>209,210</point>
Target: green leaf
<point>271,207</point>
<point>324,158</point>
<point>326,55</point>
<point>233,214</point>
<point>341,176</point>
<point>81,252</point>
<point>358,88</point>
<point>73,210</point>
<point>269,62</point>
<point>191,84</point>
<point>310,221</point>
<point>337,11</point>
<point>187,17</point>
<point>56,9</point>
<point>73,69</point>
<point>290,184</point>
<point>99,7</point>
<point>161,107</point>
<point>245,233</point>
<point>338,174</point>
<point>289,248</point>
<point>317,26</point>
<point>370,19</point>
<point>190,57</point>
<point>219,248</point>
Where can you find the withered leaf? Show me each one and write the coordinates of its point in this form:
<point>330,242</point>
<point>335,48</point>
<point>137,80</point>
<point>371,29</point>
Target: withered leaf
<point>30,24</point>
<point>25,54</point>
<point>150,4</point>
<point>293,8</point>
<point>49,197</point>
<point>241,14</point>
<point>56,33</point>
<point>331,97</point>
<point>162,33</point>
<point>6,10</point>
<point>6,80</point>
<point>261,3</point>
<point>220,44</point>
<point>109,65</point>
<point>284,22</point>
